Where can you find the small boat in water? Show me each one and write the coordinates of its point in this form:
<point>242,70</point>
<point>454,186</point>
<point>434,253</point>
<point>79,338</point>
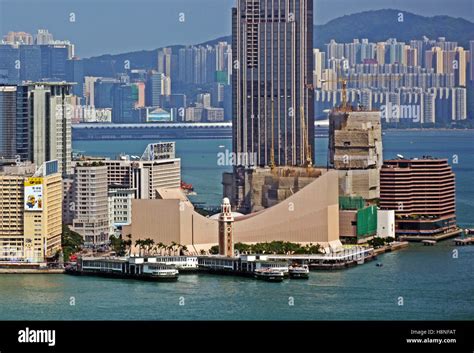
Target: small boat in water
<point>269,274</point>
<point>299,272</point>
<point>379,264</point>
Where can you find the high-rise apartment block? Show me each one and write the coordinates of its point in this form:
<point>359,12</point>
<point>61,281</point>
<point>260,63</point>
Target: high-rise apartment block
<point>91,204</point>
<point>36,121</point>
<point>30,212</point>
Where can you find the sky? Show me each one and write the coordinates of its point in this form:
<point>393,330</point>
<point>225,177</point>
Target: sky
<point>118,26</point>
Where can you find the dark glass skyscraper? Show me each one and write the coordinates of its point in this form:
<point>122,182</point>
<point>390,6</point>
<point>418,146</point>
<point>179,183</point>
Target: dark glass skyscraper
<point>7,121</point>
<point>272,43</point>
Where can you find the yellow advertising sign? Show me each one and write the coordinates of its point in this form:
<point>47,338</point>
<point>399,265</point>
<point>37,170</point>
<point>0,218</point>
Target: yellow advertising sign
<point>33,194</point>
<point>33,181</point>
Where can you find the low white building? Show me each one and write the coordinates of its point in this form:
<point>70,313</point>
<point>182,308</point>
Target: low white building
<point>386,223</point>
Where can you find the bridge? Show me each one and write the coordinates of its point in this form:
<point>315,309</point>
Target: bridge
<point>211,130</point>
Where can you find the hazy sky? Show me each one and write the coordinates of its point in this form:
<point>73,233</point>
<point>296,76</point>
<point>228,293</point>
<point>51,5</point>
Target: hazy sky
<point>117,26</point>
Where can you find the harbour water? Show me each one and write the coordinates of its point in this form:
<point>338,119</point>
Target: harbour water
<point>430,282</point>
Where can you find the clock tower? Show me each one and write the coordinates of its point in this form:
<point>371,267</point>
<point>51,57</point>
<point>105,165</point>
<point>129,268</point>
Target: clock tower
<point>226,220</point>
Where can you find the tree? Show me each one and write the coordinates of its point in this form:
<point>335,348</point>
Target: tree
<point>173,245</point>
<point>71,242</point>
<point>118,245</point>
<point>139,243</point>
<point>161,247</point>
<point>148,244</point>
<point>128,244</point>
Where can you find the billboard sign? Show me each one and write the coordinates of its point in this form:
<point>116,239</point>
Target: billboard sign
<point>34,194</point>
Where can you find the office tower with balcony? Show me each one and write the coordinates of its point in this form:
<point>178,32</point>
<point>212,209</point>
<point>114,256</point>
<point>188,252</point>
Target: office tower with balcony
<point>272,81</point>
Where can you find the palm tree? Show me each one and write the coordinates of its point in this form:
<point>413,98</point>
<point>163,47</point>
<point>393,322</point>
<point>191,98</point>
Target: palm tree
<point>184,249</point>
<point>128,244</point>
<point>161,246</point>
<point>173,244</point>
<point>148,242</point>
<point>139,244</point>
<point>202,252</point>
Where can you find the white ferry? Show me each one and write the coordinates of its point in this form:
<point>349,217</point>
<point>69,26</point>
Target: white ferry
<point>299,272</point>
<point>269,274</point>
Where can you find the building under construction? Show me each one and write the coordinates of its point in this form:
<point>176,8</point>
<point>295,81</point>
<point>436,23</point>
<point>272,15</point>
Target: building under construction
<point>355,150</point>
<point>260,188</point>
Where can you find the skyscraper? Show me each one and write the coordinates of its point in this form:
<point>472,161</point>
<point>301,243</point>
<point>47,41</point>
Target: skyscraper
<point>35,123</point>
<point>164,61</point>
<point>91,204</point>
<point>7,122</point>
<point>272,80</point>
<point>157,84</point>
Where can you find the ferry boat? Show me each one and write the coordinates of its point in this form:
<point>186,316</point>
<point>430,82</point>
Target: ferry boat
<point>182,263</point>
<point>299,272</point>
<point>122,267</point>
<point>243,265</point>
<point>269,274</point>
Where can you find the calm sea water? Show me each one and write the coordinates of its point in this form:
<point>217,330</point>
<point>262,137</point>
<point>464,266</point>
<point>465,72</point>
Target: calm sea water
<point>432,283</point>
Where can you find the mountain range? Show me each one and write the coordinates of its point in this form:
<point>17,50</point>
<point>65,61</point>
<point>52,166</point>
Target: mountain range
<point>377,25</point>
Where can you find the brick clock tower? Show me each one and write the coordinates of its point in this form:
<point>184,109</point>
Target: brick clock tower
<point>226,220</point>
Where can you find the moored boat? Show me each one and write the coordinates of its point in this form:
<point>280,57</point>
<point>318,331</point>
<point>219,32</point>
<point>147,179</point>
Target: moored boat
<point>299,272</point>
<point>269,274</point>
